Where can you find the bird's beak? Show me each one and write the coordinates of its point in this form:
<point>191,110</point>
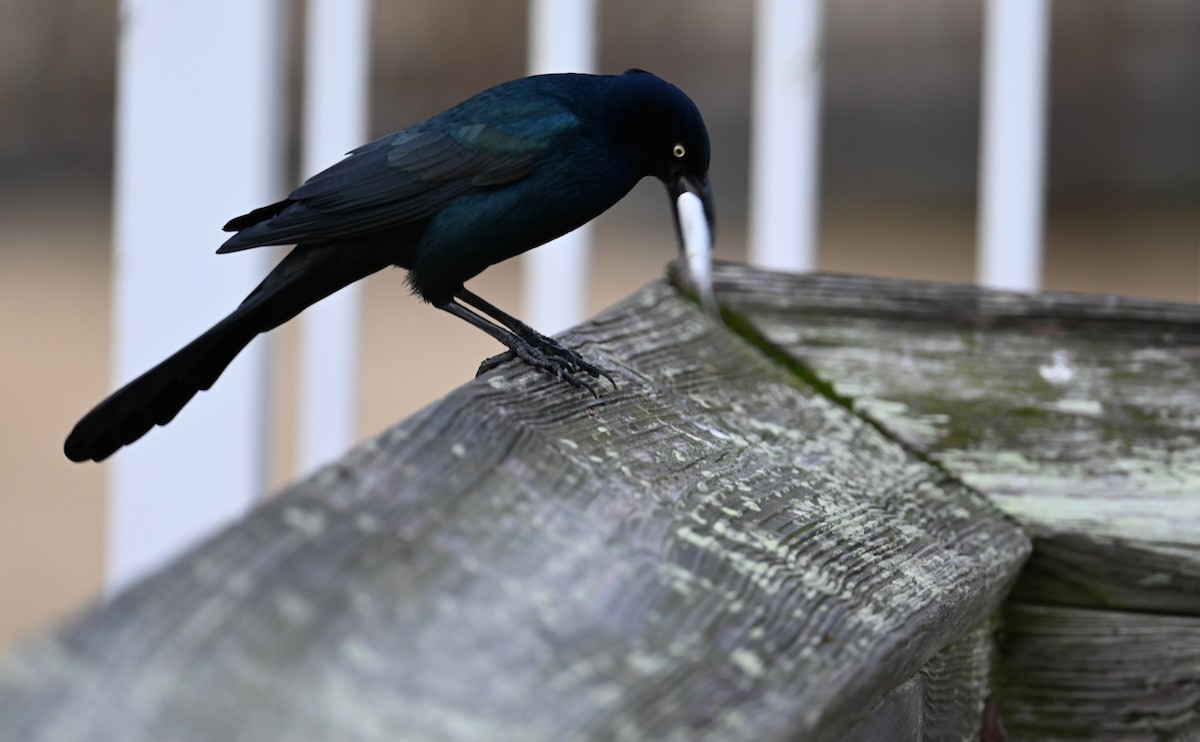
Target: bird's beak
<point>693,211</point>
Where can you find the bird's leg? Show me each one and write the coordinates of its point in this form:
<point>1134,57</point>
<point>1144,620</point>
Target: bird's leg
<point>522,348</point>
<point>547,345</point>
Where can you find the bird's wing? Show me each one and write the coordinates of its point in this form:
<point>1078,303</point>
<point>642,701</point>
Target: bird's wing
<point>405,177</point>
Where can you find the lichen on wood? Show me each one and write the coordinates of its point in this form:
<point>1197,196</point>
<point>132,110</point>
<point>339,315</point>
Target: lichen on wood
<point>710,551</point>
<point>1077,415</point>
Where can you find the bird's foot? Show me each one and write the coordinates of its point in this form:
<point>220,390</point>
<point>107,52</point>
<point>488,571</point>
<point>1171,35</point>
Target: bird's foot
<point>542,352</point>
<point>550,346</point>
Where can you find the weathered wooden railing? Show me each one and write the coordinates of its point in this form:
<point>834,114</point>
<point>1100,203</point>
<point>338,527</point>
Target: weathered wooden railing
<point>803,525</point>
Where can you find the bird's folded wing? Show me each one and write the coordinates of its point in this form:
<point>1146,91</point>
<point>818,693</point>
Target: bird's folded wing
<point>402,178</point>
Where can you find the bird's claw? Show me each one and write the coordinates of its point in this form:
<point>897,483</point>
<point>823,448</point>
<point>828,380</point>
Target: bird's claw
<point>544,353</point>
<point>573,358</point>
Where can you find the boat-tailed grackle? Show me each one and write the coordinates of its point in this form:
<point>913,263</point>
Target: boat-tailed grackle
<point>501,173</point>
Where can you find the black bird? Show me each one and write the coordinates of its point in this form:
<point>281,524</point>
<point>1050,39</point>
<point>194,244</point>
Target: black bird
<point>501,173</point>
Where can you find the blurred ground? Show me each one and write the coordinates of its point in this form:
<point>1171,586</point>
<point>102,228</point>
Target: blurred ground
<point>899,157</point>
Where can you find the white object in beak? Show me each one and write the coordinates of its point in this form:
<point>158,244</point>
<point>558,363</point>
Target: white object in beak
<point>697,248</point>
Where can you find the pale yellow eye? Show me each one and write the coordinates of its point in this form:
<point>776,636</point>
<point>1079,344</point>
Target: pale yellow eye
<point>678,151</point>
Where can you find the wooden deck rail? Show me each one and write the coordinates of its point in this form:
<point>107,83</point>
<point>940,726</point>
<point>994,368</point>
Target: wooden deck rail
<point>800,526</point>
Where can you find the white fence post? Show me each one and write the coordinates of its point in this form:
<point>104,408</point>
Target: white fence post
<point>785,137</point>
<point>199,140</point>
<point>562,38</point>
<point>1012,144</point>
<point>336,104</point>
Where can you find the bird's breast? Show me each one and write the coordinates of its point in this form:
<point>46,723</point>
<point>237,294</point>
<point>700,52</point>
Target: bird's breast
<point>486,227</point>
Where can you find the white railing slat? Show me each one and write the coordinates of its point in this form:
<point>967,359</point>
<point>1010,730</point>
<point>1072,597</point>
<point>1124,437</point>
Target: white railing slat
<point>785,134</point>
<point>1012,144</point>
<point>336,105</point>
<point>199,140</point>
<point>562,38</point>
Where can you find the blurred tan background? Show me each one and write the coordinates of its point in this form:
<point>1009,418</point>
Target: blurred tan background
<point>900,135</point>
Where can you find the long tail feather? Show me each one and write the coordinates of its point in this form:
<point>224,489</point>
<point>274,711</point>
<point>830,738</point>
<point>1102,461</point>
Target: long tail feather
<point>307,275</point>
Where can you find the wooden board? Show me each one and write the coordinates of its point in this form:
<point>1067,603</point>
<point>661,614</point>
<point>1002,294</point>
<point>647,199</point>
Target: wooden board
<point>1081,673</point>
<point>1078,415</point>
<point>713,551</point>
<point>946,700</point>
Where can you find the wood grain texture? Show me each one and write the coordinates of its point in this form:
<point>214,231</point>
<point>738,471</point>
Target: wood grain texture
<point>1078,415</point>
<point>944,701</point>
<point>1079,673</point>
<point>712,551</point>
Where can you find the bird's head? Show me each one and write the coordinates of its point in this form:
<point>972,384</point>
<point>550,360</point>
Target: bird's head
<point>669,141</point>
<point>665,133</point>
